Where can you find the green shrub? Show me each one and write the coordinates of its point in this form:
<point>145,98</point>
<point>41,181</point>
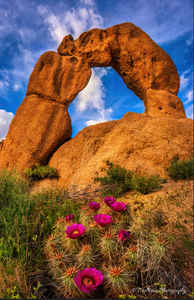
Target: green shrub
<point>118,180</point>
<point>180,169</point>
<point>145,184</point>
<point>40,172</point>
<point>114,182</point>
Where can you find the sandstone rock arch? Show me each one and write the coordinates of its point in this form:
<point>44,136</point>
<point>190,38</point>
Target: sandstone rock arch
<point>42,122</point>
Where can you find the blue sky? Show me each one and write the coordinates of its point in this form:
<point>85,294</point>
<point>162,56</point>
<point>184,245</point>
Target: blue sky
<point>31,27</point>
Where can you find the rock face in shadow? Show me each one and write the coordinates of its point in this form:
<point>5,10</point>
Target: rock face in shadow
<point>136,142</point>
<point>42,122</point>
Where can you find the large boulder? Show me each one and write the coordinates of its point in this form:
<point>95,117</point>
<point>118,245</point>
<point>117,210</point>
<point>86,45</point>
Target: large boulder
<point>137,142</point>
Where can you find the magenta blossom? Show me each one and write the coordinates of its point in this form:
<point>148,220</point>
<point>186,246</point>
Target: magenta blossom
<point>164,223</point>
<point>75,231</point>
<point>102,219</point>
<point>118,206</point>
<point>109,201</point>
<point>69,217</point>
<point>123,235</point>
<point>94,205</point>
<point>88,280</point>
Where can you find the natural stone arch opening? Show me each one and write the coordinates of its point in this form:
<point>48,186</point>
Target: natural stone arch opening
<point>116,96</point>
<point>42,122</point>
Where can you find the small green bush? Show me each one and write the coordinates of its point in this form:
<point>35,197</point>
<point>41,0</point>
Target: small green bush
<point>40,172</point>
<point>116,181</point>
<point>145,184</point>
<point>180,169</point>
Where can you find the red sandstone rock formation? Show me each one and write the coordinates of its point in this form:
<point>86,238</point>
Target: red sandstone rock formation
<point>145,68</point>
<point>42,123</point>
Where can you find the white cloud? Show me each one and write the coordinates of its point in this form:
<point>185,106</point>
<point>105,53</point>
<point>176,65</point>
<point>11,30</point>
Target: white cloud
<point>42,10</point>
<point>189,97</point>
<point>3,84</point>
<point>189,111</point>
<point>190,41</point>
<point>91,97</point>
<point>16,87</point>
<point>100,120</point>
<point>22,67</point>
<point>57,29</point>
<point>140,104</point>
<point>163,21</point>
<point>77,21</point>
<point>87,2</point>
<point>27,56</point>
<point>5,120</point>
<point>74,21</point>
<point>93,93</point>
<point>184,80</point>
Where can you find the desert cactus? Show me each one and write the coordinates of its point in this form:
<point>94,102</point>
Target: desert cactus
<point>107,251</point>
<point>117,280</point>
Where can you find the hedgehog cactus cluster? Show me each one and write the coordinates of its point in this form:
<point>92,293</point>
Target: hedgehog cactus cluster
<point>98,256</point>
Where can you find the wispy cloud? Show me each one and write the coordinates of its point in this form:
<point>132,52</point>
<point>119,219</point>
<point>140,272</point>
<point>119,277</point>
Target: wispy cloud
<point>189,97</point>
<point>21,67</point>
<point>187,104</point>
<point>16,87</point>
<point>189,111</point>
<point>87,2</point>
<point>74,21</point>
<point>163,20</point>
<point>3,84</point>
<point>189,41</point>
<point>140,105</point>
<point>92,97</point>
<point>185,79</point>
<point>5,120</point>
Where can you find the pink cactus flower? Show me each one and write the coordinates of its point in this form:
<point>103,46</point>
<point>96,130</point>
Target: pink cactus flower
<point>109,201</point>
<point>94,205</point>
<point>164,223</point>
<point>102,219</point>
<point>69,217</point>
<point>123,235</point>
<point>118,206</point>
<point>88,280</point>
<point>75,231</point>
